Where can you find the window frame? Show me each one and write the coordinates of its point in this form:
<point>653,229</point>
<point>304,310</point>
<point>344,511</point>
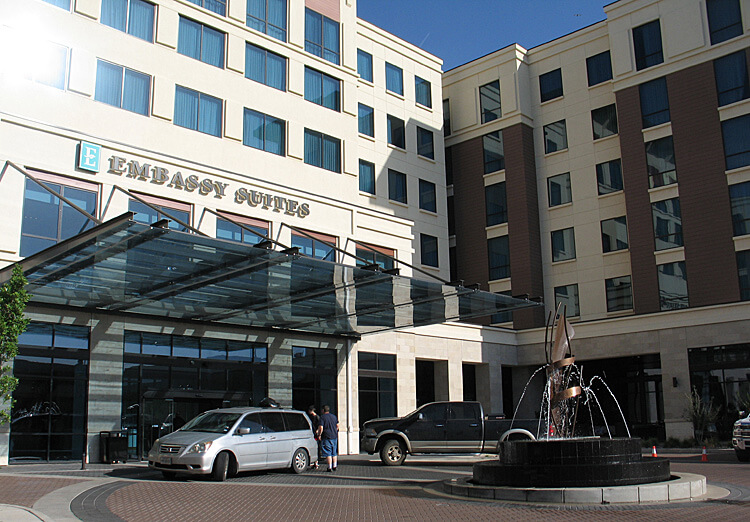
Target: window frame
<point>201,96</point>
<point>326,80</point>
<point>613,288</point>
<point>250,222</point>
<point>562,201</point>
<point>600,176</point>
<point>498,257</point>
<point>427,196</point>
<point>202,51</point>
<point>574,296</point>
<point>656,115</point>
<point>568,251</point>
<point>371,176</point>
<point>607,127</point>
<point>425,254</point>
<point>608,239</point>
<point>596,73</point>
<point>389,86</point>
<point>739,142</point>
<point>323,139</point>
<point>123,72</point>
<point>655,158</point>
<point>731,88</point>
<point>642,35</point>
<point>487,101</point>
<point>266,54</point>
<point>739,201</point>
<point>672,224</point>
<point>317,238</point>
<point>128,29</point>
<point>277,30</point>
<point>322,49</point>
<point>551,85</point>
<point>548,132</point>
<point>493,161</point>
<point>397,180</point>
<point>715,34</point>
<point>266,123</point>
<point>366,121</point>
<point>495,205</point>
<point>426,95</point>
<point>425,147</point>
<point>391,120</point>
<point>364,63</point>
<point>664,300</point>
<point>446,117</point>
<point>202,3</point>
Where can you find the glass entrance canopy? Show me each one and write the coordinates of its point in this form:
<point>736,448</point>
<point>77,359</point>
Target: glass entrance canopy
<point>132,268</point>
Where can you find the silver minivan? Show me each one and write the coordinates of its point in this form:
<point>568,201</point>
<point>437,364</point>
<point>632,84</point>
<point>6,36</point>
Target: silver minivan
<point>225,441</point>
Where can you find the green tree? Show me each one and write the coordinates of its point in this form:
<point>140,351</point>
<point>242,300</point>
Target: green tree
<point>13,299</point>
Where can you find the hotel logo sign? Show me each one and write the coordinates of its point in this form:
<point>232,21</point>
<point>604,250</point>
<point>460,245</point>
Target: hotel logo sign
<point>88,156</point>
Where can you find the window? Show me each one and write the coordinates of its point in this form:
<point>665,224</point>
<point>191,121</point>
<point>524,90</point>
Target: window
<point>397,186</point>
<point>614,234</point>
<point>599,68</point>
<point>322,151</point>
<point>374,255</point>
<point>122,87</point>
<point>731,78</point>
<point>739,195</point>
<point>54,58</point>
<point>647,44</point>
<point>555,137</point>
<point>495,203</point>
<point>265,67</point>
<point>321,36</point>
<point>322,89</point>
<point>667,224</point>
<point>394,79</point>
<point>660,162</point>
<point>226,229</point>
<point>673,291</point>
<point>48,220</point>
<point>743,269</point>
<point>619,293</point>
<point>654,102</point>
<point>429,250</point>
<point>134,17</point>
<point>609,176</point>
<point>377,386</point>
<point>451,216</point>
<point>425,144</point>
<point>171,209</point>
<point>396,133</point>
<point>366,120</point>
<point>364,65</point>
<point>217,6</point>
<point>550,85</point>
<point>558,188</point>
<point>724,19</point>
<point>567,296</point>
<point>446,118</point>
<point>427,199</point>
<point>366,177</point>
<point>498,252</point>
<point>197,111</point>
<point>489,101</point>
<point>736,133</point>
<point>423,91</point>
<point>201,42</point>
<point>64,4</point>
<point>563,245</point>
<point>604,121</point>
<point>267,16</point>
<point>494,157</point>
<point>314,373</point>
<point>319,246</point>
<point>264,132</point>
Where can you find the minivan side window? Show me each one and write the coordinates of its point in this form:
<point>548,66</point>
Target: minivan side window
<point>295,421</point>
<point>252,421</point>
<point>273,421</point>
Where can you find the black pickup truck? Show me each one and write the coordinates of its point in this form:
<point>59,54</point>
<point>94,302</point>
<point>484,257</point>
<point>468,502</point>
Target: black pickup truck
<point>440,427</point>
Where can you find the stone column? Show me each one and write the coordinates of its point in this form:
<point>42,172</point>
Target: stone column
<point>280,371</point>
<point>674,365</point>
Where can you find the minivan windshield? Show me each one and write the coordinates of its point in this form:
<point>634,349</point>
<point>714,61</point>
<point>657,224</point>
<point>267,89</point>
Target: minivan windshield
<point>212,422</point>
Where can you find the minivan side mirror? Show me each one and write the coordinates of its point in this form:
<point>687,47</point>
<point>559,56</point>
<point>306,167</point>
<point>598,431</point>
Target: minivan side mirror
<point>242,431</point>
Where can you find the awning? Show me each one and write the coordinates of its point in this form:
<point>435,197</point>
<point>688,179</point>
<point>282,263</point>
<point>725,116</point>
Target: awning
<point>133,268</point>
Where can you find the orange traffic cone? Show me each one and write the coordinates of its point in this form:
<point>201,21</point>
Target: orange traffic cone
<point>704,457</point>
<point>653,451</point>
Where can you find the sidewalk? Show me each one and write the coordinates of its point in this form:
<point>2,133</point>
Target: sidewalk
<point>10,513</point>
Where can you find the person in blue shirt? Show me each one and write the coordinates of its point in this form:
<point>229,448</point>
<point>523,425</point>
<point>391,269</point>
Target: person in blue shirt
<point>328,431</point>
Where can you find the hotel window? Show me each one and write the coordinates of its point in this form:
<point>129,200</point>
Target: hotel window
<point>396,133</point>
<point>201,42</point>
<point>377,386</point>
<point>604,121</point>
<point>599,68</point>
<point>609,176</point>
<point>550,85</point>
<point>366,177</point>
<point>451,216</point>
<point>660,162</point>
<point>321,36</point>
<point>226,229</point>
<point>494,157</point>
<point>667,224</point>
<point>198,111</point>
<point>322,89</point>
<point>364,65</point>
<point>148,215</point>
<point>559,190</point>
<point>427,199</point>
<point>64,4</point>
<point>319,246</point>
<point>563,245</point>
<point>48,220</point>
<point>673,290</point>
<point>134,17</point>
<point>724,19</point>
<point>423,90</point>
<point>397,186</point>
<point>614,234</point>
<point>425,143</point>
<point>736,134</point>
<point>366,120</point>
<point>428,250</point>
<point>496,204</point>
<point>122,87</point>
<point>654,102</point>
<point>498,252</point>
<point>555,137</point>
<point>267,16</point>
<point>446,118</point>
<point>743,270</point>
<point>55,60</point>
<point>394,79</point>
<point>647,45</point>
<point>731,78</point>
<point>322,151</point>
<point>619,293</point>
<point>489,101</point>
<point>739,196</point>
<point>217,6</point>
<point>264,132</point>
<point>265,67</point>
<point>567,296</point>
<point>374,255</point>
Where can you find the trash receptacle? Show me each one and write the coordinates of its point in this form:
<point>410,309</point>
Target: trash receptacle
<point>113,446</point>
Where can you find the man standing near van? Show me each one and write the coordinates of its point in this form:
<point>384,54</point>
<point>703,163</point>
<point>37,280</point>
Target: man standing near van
<point>328,431</point>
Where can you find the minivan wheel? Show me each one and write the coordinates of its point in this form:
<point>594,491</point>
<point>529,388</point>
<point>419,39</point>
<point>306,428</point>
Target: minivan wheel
<point>300,461</point>
<point>392,453</point>
<point>221,467</point>
<point>169,475</point>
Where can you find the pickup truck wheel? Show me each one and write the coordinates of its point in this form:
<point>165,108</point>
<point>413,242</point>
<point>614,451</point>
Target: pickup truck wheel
<point>392,453</point>
<point>221,467</point>
<point>742,456</point>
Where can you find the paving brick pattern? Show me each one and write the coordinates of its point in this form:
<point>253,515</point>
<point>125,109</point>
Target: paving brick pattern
<point>24,491</point>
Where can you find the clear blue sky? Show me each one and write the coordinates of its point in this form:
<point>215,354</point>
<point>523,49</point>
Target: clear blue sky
<point>459,31</point>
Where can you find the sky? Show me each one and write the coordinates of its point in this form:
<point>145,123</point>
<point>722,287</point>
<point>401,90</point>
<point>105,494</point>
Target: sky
<point>459,31</point>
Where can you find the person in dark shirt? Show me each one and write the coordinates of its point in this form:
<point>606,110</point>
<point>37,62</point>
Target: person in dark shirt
<point>329,436</point>
<point>315,420</point>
